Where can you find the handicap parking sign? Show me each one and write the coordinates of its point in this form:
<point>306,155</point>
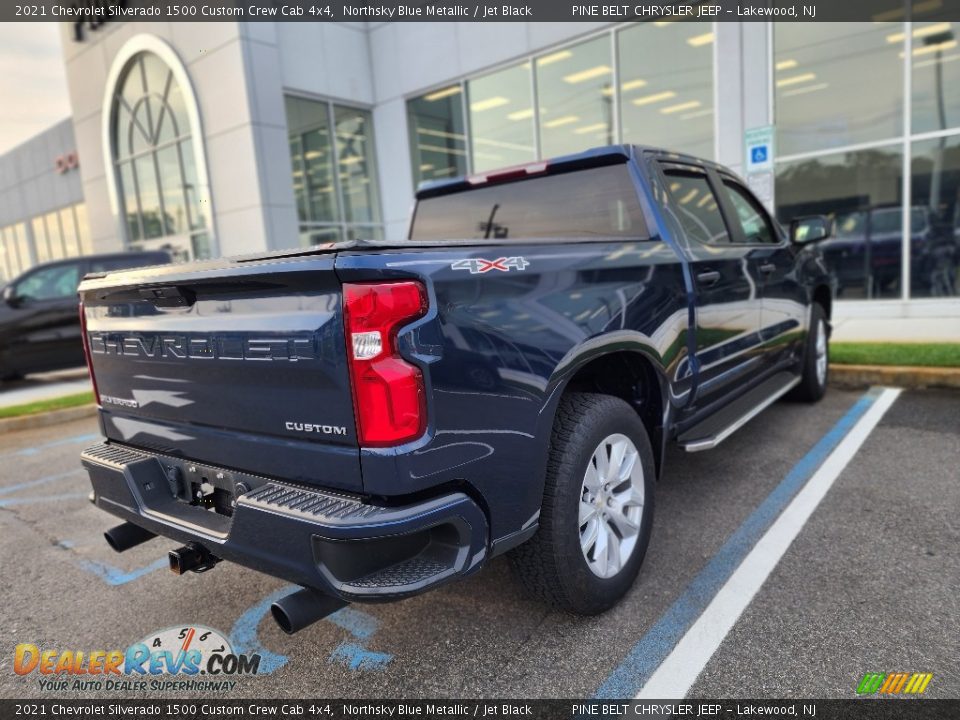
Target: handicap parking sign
<point>758,147</point>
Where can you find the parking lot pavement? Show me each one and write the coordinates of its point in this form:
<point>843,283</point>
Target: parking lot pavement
<point>868,585</point>
<point>44,386</point>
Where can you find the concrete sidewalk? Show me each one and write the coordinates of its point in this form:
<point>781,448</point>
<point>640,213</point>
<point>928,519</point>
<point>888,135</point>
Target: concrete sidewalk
<point>44,386</point>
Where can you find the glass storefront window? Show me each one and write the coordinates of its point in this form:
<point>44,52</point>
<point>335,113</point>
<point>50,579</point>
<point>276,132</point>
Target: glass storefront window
<point>54,236</point>
<point>40,240</point>
<point>355,166</point>
<point>935,217</point>
<point>666,86</point>
<point>159,190</point>
<point>438,141</point>
<point>501,118</point>
<point>7,260</point>
<point>71,240</point>
<point>23,245</point>
<point>935,73</point>
<point>575,90</point>
<point>863,192</point>
<point>311,154</point>
<point>334,186</point>
<point>83,229</point>
<point>823,98</point>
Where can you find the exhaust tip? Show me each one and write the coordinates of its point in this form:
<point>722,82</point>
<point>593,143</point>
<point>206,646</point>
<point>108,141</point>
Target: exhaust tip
<point>298,610</point>
<point>111,542</point>
<point>282,619</point>
<point>125,536</point>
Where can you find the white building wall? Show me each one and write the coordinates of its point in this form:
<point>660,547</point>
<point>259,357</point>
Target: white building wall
<point>30,184</point>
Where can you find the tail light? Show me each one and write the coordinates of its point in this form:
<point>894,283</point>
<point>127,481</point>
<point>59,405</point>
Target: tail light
<point>389,398</point>
<point>86,352</point>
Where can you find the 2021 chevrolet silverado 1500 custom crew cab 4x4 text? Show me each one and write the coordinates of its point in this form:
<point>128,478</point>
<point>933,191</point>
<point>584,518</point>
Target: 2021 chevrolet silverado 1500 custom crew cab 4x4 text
<point>370,420</point>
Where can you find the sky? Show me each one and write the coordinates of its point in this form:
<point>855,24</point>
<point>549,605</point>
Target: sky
<point>33,83</point>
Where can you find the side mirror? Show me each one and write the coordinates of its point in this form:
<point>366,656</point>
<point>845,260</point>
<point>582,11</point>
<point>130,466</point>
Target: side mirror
<point>10,296</point>
<point>812,228</point>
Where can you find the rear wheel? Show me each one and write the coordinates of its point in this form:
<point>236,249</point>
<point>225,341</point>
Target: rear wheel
<point>816,359</point>
<point>597,507</point>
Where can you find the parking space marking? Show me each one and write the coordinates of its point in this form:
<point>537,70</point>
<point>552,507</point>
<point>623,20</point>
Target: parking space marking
<point>36,449</point>
<point>677,673</point>
<point>115,576</point>
<point>244,638</point>
<point>8,502</point>
<point>355,655</point>
<point>656,645</point>
<point>39,481</point>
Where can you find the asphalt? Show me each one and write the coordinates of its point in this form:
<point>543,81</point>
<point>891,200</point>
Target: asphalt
<point>869,585</point>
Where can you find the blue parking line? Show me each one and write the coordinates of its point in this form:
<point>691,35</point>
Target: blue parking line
<point>244,638</point>
<point>46,498</point>
<point>651,650</point>
<point>354,621</point>
<point>39,481</point>
<point>362,626</point>
<point>115,576</point>
<point>37,449</point>
<point>357,657</point>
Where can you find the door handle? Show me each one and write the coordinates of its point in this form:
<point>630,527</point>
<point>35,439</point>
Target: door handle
<point>708,277</point>
<point>767,268</point>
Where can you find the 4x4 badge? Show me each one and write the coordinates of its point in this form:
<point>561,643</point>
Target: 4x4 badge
<point>478,266</point>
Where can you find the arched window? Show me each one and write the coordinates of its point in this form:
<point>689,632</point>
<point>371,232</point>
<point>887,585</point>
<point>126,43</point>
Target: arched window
<point>160,197</point>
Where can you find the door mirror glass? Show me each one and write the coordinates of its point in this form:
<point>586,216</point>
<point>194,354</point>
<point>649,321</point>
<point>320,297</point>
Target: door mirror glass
<point>10,296</point>
<point>810,229</point>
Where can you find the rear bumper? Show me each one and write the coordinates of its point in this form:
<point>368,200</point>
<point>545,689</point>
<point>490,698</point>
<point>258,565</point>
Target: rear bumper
<point>333,543</point>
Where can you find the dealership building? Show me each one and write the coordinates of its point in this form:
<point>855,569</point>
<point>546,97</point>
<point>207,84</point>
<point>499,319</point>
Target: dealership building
<point>232,138</point>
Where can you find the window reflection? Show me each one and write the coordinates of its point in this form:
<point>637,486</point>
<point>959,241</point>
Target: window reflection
<point>356,171</point>
<point>936,71</point>
<point>437,135</point>
<point>334,187</point>
<point>862,192</point>
<point>823,98</point>
<point>935,169</point>
<point>501,118</point>
<point>575,89</point>
<point>666,86</point>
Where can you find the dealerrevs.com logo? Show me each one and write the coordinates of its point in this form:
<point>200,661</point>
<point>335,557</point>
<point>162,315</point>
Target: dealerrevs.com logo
<point>172,659</point>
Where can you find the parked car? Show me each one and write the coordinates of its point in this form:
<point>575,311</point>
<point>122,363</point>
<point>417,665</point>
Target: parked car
<point>867,252</point>
<point>373,419</point>
<point>39,324</point>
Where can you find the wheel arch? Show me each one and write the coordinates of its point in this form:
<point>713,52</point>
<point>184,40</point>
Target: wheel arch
<point>632,375</point>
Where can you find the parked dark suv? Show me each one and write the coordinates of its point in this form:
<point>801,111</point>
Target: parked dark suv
<point>39,323</point>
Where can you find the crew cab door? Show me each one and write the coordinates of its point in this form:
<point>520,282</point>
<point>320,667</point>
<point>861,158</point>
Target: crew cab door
<point>784,308</point>
<point>39,323</point>
<point>726,285</point>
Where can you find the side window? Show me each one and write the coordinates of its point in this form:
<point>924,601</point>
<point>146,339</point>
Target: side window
<point>52,283</point>
<point>696,206</point>
<point>756,225</point>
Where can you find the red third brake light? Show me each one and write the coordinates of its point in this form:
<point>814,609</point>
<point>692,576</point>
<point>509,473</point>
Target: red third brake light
<point>388,391</point>
<point>86,352</point>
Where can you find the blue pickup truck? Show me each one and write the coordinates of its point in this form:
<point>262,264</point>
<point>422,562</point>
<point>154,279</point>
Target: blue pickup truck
<point>370,420</point>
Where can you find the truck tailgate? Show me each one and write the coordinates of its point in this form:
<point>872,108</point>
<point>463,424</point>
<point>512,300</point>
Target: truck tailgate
<point>232,363</point>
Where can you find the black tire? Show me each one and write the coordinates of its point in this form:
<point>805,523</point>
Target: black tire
<point>552,565</point>
<point>812,385</point>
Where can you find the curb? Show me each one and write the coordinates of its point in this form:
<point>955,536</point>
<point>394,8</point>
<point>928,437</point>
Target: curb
<point>861,376</point>
<point>46,419</point>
